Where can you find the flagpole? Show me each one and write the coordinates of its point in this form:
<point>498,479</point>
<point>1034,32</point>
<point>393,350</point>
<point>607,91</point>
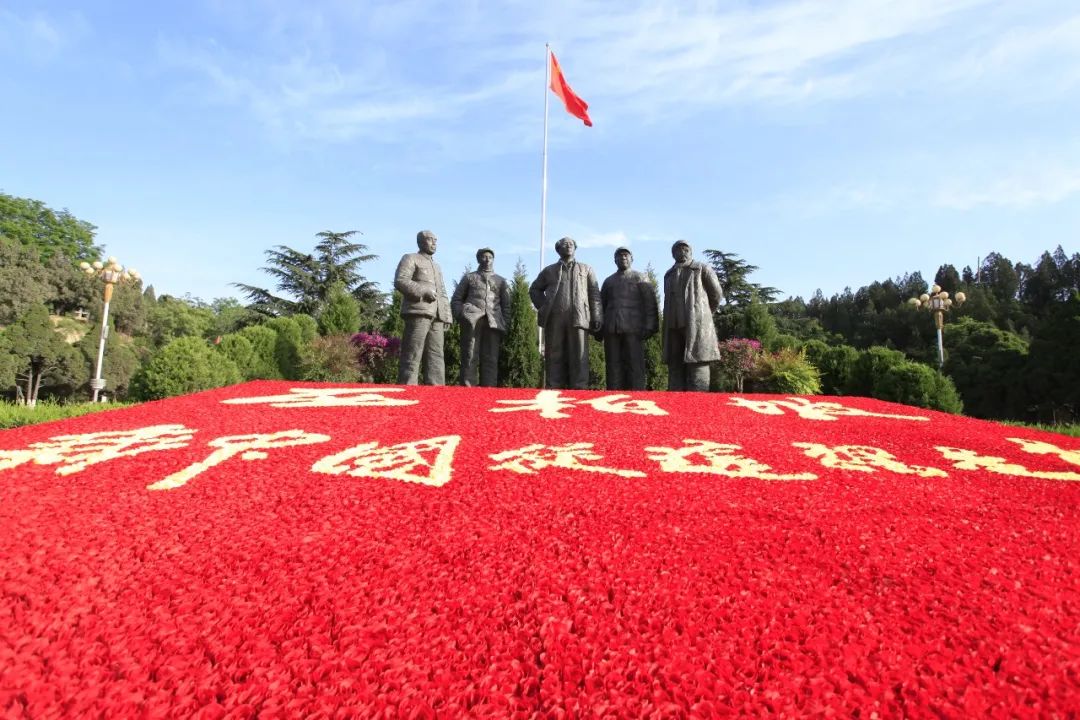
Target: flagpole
<point>543,177</point>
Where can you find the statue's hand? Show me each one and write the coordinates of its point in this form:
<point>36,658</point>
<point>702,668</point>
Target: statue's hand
<point>428,296</point>
<point>595,326</point>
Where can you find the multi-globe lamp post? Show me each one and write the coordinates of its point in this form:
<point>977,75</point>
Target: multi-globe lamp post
<point>938,302</point>
<point>112,272</point>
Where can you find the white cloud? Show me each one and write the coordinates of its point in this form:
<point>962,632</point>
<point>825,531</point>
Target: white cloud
<point>38,36</point>
<point>1020,189</point>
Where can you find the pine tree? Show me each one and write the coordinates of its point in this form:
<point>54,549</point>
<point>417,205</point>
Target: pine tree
<point>341,313</point>
<point>519,362</point>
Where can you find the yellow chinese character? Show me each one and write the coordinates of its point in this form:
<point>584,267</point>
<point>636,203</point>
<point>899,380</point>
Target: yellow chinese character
<point>327,397</point>
<point>74,453</point>
<point>552,405</point>
<point>248,447</point>
<point>428,462</point>
<point>549,403</point>
<point>811,410</point>
<point>1037,447</point>
<point>864,458</point>
<point>704,456</point>
<point>531,459</point>
<point>623,404</point>
<point>971,460</point>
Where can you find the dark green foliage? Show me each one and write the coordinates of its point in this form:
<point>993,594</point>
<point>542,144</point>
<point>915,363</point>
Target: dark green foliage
<point>393,324</point>
<point>230,317</point>
<point>452,353</point>
<point>1053,369</point>
<point>304,279</point>
<point>264,363</point>
<point>184,365</point>
<point>948,279</point>
<point>732,272</point>
<point>239,349</point>
<point>293,334</point>
<point>171,318</point>
<point>916,384</point>
<point>32,224</point>
<point>758,324</point>
<point>340,313</point>
<point>24,281</point>
<point>656,375</point>
<point>597,366</point>
<point>520,364</point>
<point>786,371</point>
<point>987,365</point>
<point>40,361</point>
<point>836,364</point>
<point>870,367</point>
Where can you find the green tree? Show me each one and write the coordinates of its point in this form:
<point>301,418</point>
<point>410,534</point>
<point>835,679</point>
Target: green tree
<point>294,333</point>
<point>24,281</point>
<point>757,323</point>
<point>1053,373</point>
<point>340,313</point>
<point>656,377</point>
<point>304,279</point>
<point>393,324</point>
<point>171,318</point>
<point>987,366</point>
<point>41,358</point>
<point>519,363</point>
<point>32,224</point>
<point>733,273</point>
<point>597,366</point>
<point>185,365</point>
<point>230,316</point>
<point>870,367</point>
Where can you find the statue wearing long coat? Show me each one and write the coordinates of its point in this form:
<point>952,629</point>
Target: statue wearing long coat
<point>701,298</point>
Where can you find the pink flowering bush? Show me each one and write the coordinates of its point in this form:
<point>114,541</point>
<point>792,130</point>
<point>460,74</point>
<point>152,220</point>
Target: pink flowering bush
<point>376,356</point>
<point>738,360</point>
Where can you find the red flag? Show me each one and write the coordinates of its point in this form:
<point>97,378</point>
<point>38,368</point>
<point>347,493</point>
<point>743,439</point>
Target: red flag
<point>574,105</point>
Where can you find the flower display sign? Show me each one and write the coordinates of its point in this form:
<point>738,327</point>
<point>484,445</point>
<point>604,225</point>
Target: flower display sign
<point>280,549</point>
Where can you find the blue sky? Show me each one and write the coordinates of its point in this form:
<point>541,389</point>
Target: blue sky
<point>829,142</point>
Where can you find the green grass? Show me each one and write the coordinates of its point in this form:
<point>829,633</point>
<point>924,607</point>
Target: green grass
<point>1070,430</point>
<point>12,416</point>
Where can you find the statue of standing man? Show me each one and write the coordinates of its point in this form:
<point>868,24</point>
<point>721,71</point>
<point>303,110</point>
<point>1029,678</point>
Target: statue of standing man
<point>481,304</point>
<point>426,310</point>
<point>567,301</point>
<point>630,318</point>
<point>691,295</point>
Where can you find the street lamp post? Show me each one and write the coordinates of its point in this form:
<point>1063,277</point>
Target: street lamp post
<point>939,303</point>
<point>112,273</point>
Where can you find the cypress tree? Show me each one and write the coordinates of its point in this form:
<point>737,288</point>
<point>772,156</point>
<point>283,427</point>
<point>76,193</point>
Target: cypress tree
<point>519,362</point>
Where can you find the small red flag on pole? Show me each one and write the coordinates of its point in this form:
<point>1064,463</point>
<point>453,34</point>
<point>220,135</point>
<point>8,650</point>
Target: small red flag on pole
<point>574,105</point>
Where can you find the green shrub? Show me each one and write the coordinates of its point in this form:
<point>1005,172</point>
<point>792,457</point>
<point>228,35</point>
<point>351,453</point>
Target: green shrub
<point>264,363</point>
<point>835,363</point>
<point>341,313</point>
<point>916,384</point>
<point>239,349</point>
<point>184,365</point>
<point>786,372</point>
<point>330,359</point>
<point>869,368</point>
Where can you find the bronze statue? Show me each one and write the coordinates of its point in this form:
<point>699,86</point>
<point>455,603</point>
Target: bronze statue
<point>691,295</point>
<point>567,301</point>
<point>481,304</point>
<point>426,310</point>
<point>630,318</point>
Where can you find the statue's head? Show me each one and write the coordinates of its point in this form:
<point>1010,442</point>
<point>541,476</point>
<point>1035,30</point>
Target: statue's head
<point>681,251</point>
<point>485,258</point>
<point>623,258</point>
<point>566,247</point>
<point>426,242</point>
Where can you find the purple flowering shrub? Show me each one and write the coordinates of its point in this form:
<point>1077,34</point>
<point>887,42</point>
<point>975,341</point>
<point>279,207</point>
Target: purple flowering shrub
<point>376,356</point>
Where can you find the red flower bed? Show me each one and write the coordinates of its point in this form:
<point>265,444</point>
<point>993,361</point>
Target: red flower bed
<point>410,552</point>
